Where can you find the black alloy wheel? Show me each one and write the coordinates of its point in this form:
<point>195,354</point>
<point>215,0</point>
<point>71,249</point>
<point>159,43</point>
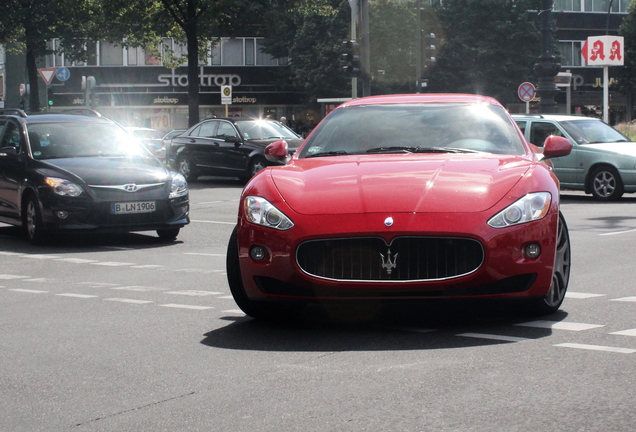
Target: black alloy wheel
<point>32,221</point>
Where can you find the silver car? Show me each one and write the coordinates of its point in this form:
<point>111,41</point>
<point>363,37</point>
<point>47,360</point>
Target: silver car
<point>602,161</point>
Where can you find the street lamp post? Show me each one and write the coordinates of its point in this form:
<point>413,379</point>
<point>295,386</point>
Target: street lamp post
<point>547,67</point>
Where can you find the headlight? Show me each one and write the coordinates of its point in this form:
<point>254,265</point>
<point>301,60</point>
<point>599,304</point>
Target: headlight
<point>261,212</point>
<point>531,207</point>
<point>178,186</point>
<point>63,187</point>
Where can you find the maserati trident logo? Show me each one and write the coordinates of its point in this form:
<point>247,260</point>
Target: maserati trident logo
<point>130,187</point>
<point>387,264</point>
<point>388,221</point>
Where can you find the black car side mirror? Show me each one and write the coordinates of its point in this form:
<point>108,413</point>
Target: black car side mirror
<point>233,139</point>
<point>6,151</point>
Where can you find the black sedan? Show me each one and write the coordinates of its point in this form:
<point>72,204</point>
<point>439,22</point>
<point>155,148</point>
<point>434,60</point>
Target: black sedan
<point>65,172</point>
<point>232,147</point>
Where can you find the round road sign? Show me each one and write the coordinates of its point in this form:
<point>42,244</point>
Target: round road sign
<point>527,91</point>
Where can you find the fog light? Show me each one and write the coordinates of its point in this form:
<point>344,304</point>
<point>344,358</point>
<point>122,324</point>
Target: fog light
<point>61,214</point>
<point>258,253</point>
<point>533,250</point>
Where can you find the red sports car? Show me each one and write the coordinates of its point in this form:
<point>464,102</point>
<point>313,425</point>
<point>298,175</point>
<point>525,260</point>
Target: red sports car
<point>404,197</point>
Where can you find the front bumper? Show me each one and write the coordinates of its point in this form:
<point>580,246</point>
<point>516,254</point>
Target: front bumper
<point>506,271</point>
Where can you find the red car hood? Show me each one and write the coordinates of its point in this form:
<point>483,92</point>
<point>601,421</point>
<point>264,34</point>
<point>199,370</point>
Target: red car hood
<point>398,183</point>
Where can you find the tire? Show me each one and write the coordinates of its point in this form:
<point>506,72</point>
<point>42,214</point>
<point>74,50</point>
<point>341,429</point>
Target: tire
<point>235,280</point>
<point>606,184</point>
<point>561,275</point>
<point>187,168</point>
<point>32,222</point>
<point>280,311</point>
<point>256,164</point>
<point>168,234</point>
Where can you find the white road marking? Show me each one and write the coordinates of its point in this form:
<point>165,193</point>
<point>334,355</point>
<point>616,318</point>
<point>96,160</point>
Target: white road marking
<point>113,263</point>
<point>83,296</point>
<point>27,291</point>
<point>193,293</point>
<point>631,332</point>
<point>557,325</point>
<point>39,280</point>
<point>578,295</point>
<point>40,256</point>
<point>137,288</point>
<point>204,254</point>
<point>11,253</point>
<point>625,299</point>
<point>214,222</point>
<point>11,277</point>
<point>597,348</point>
<point>182,306</point>
<point>227,297</point>
<point>76,260</point>
<point>234,311</point>
<point>617,232</point>
<point>494,337</point>
<point>98,284</point>
<point>125,300</point>
<point>147,266</point>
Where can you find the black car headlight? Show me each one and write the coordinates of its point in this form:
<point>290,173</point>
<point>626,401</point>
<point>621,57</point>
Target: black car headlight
<point>63,187</point>
<point>261,212</point>
<point>178,186</point>
<point>531,207</point>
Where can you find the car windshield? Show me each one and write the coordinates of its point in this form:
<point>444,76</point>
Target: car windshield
<point>263,130</point>
<point>592,131</point>
<point>409,128</point>
<point>82,139</point>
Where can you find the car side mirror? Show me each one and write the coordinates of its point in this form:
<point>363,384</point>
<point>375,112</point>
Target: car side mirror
<point>556,146</point>
<point>233,139</point>
<point>6,151</point>
<point>277,151</point>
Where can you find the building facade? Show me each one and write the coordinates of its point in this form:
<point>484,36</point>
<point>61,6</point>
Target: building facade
<point>133,87</point>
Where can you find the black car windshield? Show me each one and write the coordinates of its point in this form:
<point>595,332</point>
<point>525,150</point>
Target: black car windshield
<point>592,131</point>
<point>415,128</point>
<point>263,130</point>
<point>82,139</point>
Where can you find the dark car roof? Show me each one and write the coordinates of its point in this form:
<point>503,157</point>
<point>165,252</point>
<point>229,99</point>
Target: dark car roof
<point>64,118</point>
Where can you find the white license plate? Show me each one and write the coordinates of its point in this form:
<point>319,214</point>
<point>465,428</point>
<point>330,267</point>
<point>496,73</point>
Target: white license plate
<point>132,207</point>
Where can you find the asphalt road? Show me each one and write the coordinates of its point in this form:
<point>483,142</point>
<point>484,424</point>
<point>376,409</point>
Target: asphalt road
<point>126,333</point>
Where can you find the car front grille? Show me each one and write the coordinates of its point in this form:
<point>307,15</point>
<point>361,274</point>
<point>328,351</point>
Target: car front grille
<point>405,259</point>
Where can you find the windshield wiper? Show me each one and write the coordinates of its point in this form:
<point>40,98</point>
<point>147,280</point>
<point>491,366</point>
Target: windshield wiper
<point>328,153</point>
<point>398,149</point>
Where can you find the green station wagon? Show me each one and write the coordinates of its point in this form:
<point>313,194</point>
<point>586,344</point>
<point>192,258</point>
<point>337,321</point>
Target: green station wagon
<point>602,161</point>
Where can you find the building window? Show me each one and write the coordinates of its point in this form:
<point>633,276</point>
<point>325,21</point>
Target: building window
<point>232,52</point>
<point>570,53</point>
<point>110,54</point>
<point>591,5</point>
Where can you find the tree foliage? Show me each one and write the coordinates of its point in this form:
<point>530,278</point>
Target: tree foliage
<point>28,26</point>
<point>627,74</point>
<point>490,47</point>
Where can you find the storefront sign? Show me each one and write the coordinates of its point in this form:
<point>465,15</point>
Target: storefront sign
<point>205,80</point>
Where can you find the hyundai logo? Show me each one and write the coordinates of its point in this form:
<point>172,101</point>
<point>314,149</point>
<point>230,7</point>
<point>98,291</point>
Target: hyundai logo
<point>130,187</point>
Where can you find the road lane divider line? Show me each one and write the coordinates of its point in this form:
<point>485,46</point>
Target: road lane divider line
<point>502,338</point>
<point>182,306</point>
<point>559,325</point>
<point>631,332</point>
<point>597,348</point>
<point>126,300</point>
<point>580,295</point>
<point>28,291</point>
<point>82,296</point>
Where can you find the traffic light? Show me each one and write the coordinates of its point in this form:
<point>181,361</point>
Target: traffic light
<point>352,58</point>
<point>429,49</point>
<point>49,96</point>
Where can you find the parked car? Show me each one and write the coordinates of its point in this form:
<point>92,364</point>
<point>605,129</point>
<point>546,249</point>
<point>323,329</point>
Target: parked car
<point>167,138</point>
<point>602,162</point>
<point>151,139</point>
<point>77,173</point>
<point>227,147</point>
<point>388,199</point>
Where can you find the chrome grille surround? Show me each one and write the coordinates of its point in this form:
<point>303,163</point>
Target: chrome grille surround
<point>412,258</point>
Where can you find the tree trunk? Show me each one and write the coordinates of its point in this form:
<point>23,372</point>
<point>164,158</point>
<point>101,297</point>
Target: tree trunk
<point>32,75</point>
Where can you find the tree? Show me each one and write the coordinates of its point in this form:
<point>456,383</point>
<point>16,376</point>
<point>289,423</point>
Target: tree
<point>27,26</point>
<point>490,47</point>
<point>197,23</point>
<point>627,74</point>
<point>311,33</point>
